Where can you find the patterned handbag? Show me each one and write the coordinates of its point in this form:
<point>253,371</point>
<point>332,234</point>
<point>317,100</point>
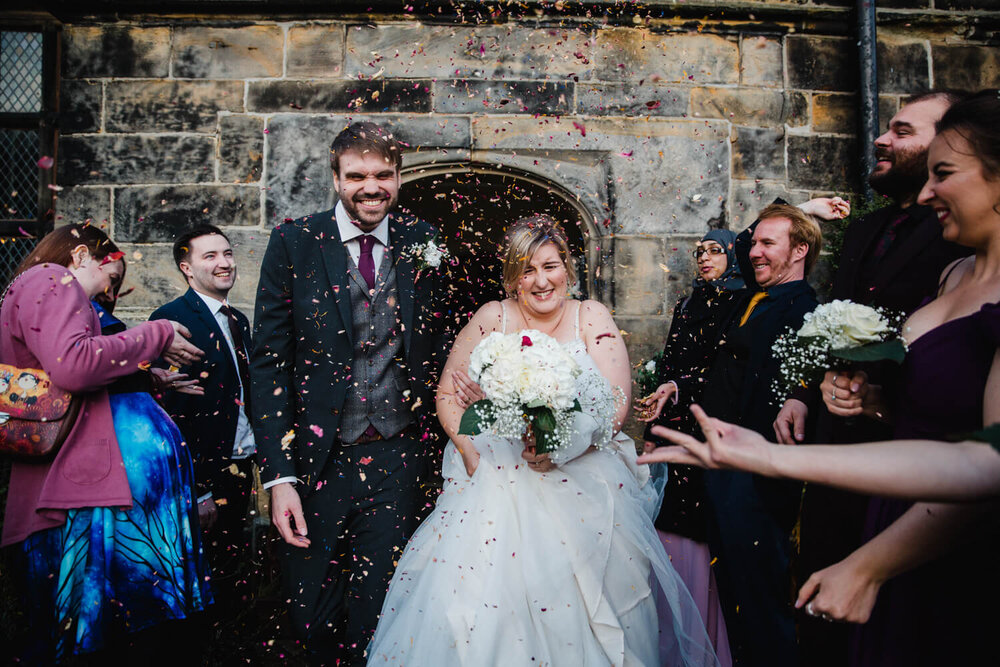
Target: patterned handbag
<point>35,416</point>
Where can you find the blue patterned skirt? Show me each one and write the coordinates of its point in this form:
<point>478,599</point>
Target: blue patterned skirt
<point>114,571</point>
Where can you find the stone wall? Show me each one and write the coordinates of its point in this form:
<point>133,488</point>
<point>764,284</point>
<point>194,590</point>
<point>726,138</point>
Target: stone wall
<point>659,125</point>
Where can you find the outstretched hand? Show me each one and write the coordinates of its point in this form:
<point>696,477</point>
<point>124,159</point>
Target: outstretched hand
<point>726,446</point>
<point>649,407</point>
<point>827,208</point>
<point>180,352</point>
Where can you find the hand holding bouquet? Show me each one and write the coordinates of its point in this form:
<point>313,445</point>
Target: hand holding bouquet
<point>530,381</point>
<point>836,332</point>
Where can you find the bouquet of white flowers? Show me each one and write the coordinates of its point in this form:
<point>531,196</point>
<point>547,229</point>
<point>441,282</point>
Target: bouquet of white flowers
<point>648,375</point>
<point>529,380</point>
<point>428,255</point>
<point>835,332</point>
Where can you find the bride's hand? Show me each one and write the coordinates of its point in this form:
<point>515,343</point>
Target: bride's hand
<point>537,462</point>
<point>467,391</point>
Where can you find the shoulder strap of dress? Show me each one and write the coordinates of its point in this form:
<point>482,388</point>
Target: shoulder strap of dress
<point>944,281</point>
<point>503,316</point>
<point>579,308</point>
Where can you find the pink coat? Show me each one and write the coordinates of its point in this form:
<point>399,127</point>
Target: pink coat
<point>47,322</point>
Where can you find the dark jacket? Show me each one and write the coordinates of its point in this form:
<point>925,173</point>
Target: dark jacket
<point>208,422</point>
<point>301,364</point>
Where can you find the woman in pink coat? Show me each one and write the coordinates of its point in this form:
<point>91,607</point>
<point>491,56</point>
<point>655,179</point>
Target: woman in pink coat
<point>103,533</point>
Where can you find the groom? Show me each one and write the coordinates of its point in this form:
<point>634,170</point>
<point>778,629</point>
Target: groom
<point>347,351</point>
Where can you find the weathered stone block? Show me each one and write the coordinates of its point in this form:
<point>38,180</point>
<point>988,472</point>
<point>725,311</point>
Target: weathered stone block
<point>758,152</point>
<point>640,275</point>
<point>80,107</point>
<point>156,280</point>
<point>743,106</point>
<point>118,51</point>
<point>315,50</point>
<point>298,155</point>
<point>966,67</point>
<point>492,52</point>
<point>838,113</point>
<point>83,204</point>
<point>241,148</point>
<point>797,108</point>
<point>630,99</point>
<point>136,159</point>
<point>750,198</point>
<point>514,97</point>
<point>228,53</point>
<point>340,96</point>
<point>170,106</point>
<point>909,4</point>
<point>152,214</point>
<point>644,337</point>
<point>760,62</point>
<point>902,68</point>
<point>664,176</point>
<point>821,63</point>
<point>965,5</point>
<point>630,55</point>
<point>823,163</point>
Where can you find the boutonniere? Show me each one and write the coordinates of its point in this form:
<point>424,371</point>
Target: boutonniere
<point>428,255</point>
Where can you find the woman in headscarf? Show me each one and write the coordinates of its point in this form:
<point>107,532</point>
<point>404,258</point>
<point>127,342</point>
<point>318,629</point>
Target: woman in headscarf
<point>687,355</point>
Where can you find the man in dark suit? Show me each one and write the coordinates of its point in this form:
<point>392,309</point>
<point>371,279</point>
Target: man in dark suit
<point>348,347</point>
<point>892,259</point>
<point>212,410</point>
<point>751,517</point>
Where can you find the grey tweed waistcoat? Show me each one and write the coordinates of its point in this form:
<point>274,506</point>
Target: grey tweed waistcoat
<point>375,395</point>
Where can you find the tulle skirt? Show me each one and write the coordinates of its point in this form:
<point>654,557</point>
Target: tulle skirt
<point>514,567</point>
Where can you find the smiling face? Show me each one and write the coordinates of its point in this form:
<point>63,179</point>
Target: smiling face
<point>965,198</point>
<point>712,262</point>
<point>901,152</point>
<point>368,186</point>
<point>775,261</point>
<point>210,267</point>
<point>544,283</point>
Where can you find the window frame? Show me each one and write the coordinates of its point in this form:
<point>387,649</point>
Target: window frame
<point>46,121</point>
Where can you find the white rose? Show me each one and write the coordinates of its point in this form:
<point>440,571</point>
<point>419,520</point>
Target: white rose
<point>651,366</point>
<point>433,255</point>
<point>862,324</point>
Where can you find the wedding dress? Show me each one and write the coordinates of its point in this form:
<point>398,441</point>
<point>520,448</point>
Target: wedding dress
<point>516,567</point>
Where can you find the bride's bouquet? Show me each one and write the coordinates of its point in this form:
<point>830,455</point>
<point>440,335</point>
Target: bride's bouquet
<point>834,333</point>
<point>530,381</point>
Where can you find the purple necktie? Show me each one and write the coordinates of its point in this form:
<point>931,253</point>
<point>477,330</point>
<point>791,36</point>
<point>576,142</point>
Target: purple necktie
<point>366,263</point>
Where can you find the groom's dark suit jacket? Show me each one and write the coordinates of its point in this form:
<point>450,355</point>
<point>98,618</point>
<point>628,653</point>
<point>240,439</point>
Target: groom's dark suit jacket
<point>208,422</point>
<point>301,365</point>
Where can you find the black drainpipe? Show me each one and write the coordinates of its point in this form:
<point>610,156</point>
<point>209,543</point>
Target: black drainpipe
<point>868,90</point>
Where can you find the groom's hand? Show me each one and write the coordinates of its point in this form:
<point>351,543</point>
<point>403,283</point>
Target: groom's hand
<point>286,508</point>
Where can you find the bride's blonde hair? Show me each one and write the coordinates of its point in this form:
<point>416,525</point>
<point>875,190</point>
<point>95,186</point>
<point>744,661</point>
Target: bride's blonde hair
<point>523,240</point>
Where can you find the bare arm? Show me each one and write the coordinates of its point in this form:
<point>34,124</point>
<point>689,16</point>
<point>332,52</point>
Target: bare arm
<point>847,590</point>
<point>915,469</point>
<point>449,409</point>
<point>607,349</point>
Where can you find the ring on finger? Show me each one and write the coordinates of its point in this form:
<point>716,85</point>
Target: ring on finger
<point>833,395</point>
<point>809,609</point>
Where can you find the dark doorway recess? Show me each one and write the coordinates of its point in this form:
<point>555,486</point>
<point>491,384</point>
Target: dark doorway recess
<point>472,207</point>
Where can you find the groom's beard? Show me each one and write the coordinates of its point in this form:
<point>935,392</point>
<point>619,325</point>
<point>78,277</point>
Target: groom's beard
<point>367,218</point>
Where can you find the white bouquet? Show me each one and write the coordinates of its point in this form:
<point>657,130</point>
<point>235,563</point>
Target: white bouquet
<point>529,380</point>
<point>834,333</point>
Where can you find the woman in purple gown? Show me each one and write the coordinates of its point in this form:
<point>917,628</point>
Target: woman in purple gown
<point>950,386</point>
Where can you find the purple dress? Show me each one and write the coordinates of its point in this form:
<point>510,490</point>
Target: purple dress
<point>933,614</point>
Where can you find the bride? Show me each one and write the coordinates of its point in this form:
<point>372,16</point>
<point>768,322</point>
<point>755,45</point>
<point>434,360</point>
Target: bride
<point>540,559</point>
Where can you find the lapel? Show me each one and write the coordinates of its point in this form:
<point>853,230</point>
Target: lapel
<point>400,238</point>
<point>927,230</point>
<point>334,256</point>
<point>211,325</point>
